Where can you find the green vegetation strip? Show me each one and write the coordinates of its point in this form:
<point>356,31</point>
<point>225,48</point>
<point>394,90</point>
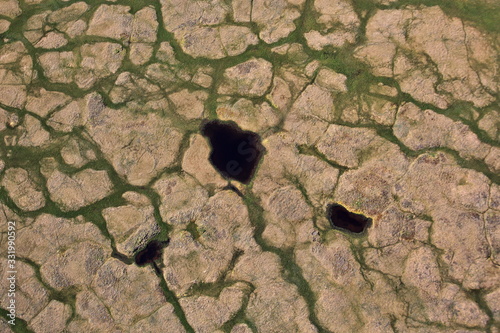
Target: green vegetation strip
<point>20,327</point>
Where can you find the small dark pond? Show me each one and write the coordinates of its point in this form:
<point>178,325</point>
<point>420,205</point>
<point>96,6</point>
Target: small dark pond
<point>235,152</point>
<point>340,217</point>
<point>151,253</point>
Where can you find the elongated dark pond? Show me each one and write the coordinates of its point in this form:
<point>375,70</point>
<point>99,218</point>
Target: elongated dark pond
<point>340,217</point>
<point>151,253</point>
<point>235,152</point>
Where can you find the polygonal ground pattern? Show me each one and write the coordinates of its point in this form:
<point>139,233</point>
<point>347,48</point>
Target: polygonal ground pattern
<point>386,107</point>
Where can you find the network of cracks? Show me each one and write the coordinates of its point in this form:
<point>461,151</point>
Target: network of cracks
<point>236,154</point>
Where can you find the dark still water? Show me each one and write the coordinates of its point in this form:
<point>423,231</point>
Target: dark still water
<point>151,253</point>
<point>340,217</point>
<point>235,153</point>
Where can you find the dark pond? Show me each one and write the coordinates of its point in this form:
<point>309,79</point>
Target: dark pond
<point>235,153</point>
<point>340,217</point>
<point>151,253</point>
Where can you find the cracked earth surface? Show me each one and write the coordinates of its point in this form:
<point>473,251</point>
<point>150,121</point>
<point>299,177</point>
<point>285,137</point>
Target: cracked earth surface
<point>389,108</point>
